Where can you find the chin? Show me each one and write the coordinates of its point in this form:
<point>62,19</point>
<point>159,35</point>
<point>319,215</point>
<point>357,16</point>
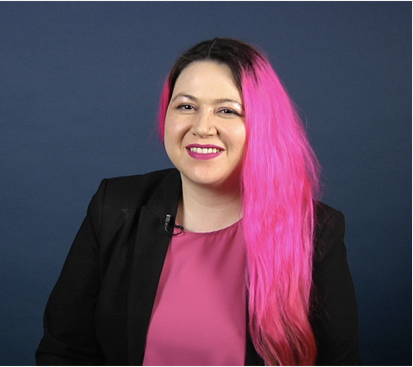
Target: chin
<point>215,181</point>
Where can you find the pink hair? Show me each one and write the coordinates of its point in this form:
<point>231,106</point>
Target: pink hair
<point>279,181</point>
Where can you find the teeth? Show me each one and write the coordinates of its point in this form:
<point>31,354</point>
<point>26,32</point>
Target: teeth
<point>204,150</point>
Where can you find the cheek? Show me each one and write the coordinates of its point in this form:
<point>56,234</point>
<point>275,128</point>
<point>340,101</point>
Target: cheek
<point>169,126</point>
<point>175,127</point>
<point>168,137</point>
<point>173,134</point>
<point>239,137</point>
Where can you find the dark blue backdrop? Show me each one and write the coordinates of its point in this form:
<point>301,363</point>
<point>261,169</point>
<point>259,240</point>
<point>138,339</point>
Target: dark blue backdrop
<point>79,87</point>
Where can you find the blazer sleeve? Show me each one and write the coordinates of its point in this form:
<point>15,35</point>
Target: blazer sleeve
<point>334,316</point>
<point>69,330</point>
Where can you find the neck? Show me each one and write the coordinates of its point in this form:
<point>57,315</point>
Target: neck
<point>206,209</point>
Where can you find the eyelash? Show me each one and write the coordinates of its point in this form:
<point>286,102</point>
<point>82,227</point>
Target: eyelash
<point>187,107</point>
<point>183,107</point>
<point>228,111</point>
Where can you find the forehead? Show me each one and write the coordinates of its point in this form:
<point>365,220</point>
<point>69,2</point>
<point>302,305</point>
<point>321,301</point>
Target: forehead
<point>206,78</point>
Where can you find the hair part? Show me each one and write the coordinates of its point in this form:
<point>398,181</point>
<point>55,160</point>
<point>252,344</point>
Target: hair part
<point>236,54</point>
<point>279,182</point>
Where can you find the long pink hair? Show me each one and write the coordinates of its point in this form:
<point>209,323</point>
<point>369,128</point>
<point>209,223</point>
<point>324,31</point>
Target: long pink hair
<point>279,184</point>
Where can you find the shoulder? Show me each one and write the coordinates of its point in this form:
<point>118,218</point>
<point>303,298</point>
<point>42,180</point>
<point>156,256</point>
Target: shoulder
<point>120,197</point>
<point>334,308</point>
<point>326,216</point>
<point>136,190</point>
<point>118,201</point>
<point>329,232</point>
<point>130,184</point>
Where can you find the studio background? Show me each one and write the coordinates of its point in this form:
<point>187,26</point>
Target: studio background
<point>79,90</point>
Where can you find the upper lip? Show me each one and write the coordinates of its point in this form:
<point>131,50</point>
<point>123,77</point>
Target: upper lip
<point>206,146</point>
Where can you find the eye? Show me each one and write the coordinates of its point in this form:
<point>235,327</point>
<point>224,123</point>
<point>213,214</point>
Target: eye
<point>229,112</point>
<point>185,107</point>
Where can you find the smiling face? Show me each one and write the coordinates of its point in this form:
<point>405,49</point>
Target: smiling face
<point>204,126</point>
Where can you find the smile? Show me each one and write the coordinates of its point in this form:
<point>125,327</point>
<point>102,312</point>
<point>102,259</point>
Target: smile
<point>205,152</point>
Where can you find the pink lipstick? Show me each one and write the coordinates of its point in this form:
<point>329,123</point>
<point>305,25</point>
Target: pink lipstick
<point>204,152</point>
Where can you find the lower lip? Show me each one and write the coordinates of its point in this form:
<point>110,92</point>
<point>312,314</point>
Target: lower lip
<point>203,157</point>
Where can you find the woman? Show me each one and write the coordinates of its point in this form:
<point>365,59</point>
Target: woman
<point>227,260</point>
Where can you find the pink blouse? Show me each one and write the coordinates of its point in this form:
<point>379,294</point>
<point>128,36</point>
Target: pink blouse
<point>199,315</point>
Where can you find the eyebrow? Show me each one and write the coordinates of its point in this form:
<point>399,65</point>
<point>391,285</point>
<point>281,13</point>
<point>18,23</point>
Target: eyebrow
<point>215,101</point>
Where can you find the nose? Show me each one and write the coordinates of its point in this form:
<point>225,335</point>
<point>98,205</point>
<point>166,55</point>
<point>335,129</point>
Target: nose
<point>204,124</point>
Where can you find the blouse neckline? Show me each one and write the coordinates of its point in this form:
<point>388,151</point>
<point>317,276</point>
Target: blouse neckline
<point>218,231</point>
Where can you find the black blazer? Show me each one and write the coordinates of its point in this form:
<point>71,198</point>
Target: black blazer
<point>99,310</point>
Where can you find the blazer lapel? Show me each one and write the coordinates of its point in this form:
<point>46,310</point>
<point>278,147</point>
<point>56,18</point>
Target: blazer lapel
<point>149,254</point>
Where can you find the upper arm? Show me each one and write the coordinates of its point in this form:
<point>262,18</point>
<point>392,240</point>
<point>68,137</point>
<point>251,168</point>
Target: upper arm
<point>69,330</point>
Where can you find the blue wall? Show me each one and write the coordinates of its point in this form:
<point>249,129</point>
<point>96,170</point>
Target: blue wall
<point>79,87</point>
